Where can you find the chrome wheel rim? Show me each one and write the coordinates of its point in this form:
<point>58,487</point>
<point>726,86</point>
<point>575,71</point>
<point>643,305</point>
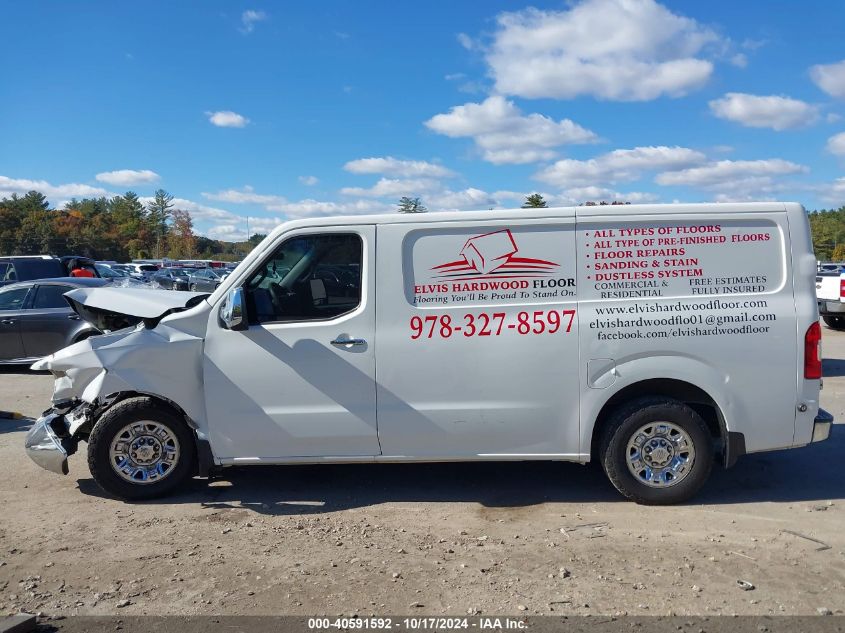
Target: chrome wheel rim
<point>144,452</point>
<point>660,454</point>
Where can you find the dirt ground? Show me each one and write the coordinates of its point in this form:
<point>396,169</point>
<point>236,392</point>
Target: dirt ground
<point>514,538</point>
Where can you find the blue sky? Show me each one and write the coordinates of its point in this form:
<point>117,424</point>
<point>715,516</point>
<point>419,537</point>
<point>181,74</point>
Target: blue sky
<point>273,110</point>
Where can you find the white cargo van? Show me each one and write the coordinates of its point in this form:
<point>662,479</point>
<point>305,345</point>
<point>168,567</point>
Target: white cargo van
<point>658,340</point>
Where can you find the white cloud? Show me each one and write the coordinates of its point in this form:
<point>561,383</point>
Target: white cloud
<point>617,166</point>
<point>467,199</point>
<point>580,195</point>
<point>198,210</point>
<point>833,193</point>
<point>740,60</point>
<point>21,186</point>
<point>388,187</point>
<point>317,208</point>
<point>736,180</point>
<point>466,41</point>
<point>622,50</point>
<point>505,135</point>
<point>778,113</point>
<point>309,181</point>
<point>227,118</point>
<point>227,232</point>
<point>836,144</point>
<point>246,195</point>
<point>390,166</point>
<point>249,18</point>
<point>126,177</point>
<point>714,174</point>
<point>830,78</point>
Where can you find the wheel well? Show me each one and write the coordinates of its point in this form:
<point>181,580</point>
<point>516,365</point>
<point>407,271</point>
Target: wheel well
<point>695,397</point>
<point>84,335</point>
<point>124,395</point>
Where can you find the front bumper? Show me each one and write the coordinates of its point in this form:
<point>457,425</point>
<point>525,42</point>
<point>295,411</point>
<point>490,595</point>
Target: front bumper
<point>822,426</point>
<point>44,446</point>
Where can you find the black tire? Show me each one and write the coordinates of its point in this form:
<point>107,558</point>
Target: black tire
<point>111,423</point>
<point>192,287</point>
<point>834,322</point>
<point>622,426</point>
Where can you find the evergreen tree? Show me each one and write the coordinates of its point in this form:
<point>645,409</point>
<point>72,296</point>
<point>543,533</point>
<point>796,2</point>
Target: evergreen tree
<point>534,201</point>
<point>410,205</point>
<point>158,211</point>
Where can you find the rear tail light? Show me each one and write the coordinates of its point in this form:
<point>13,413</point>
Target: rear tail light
<point>813,352</point>
<point>842,288</point>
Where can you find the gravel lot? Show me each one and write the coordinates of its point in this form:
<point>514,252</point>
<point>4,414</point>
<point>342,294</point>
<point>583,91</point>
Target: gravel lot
<point>510,538</point>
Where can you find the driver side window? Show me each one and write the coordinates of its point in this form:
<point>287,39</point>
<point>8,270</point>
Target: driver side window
<point>309,277</point>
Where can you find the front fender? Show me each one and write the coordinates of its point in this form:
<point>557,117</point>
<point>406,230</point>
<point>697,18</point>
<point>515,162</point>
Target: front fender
<point>163,362</point>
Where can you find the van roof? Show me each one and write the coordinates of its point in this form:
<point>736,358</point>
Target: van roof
<point>530,214</point>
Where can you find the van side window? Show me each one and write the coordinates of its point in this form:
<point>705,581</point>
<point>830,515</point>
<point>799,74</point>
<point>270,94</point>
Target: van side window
<point>309,277</point>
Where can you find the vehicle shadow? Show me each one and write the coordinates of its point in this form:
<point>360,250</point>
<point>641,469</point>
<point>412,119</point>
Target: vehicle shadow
<point>12,425</point>
<point>23,370</point>
<point>318,489</point>
<point>833,367</point>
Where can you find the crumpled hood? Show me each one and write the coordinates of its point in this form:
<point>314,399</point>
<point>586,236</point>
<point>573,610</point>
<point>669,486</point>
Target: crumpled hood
<point>111,309</point>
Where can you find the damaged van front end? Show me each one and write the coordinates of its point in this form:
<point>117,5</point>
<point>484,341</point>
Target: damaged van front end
<point>156,353</point>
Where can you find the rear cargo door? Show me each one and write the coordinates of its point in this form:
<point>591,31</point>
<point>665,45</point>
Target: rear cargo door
<point>478,341</point>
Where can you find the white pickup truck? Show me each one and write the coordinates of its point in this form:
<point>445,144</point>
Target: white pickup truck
<point>830,294</point>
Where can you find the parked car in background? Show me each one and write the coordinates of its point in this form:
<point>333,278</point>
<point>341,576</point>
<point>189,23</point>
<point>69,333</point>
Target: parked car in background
<point>144,272</point>
<point>204,280</point>
<point>172,278</point>
<point>86,266</point>
<point>29,267</point>
<point>107,272</point>
<point>125,268</point>
<point>830,267</point>
<point>35,319</point>
<point>24,268</point>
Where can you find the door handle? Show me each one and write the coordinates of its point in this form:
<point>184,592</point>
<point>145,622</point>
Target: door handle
<point>349,342</point>
<point>73,317</point>
<point>8,321</point>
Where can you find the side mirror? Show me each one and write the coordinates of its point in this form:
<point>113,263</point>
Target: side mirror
<point>233,312</point>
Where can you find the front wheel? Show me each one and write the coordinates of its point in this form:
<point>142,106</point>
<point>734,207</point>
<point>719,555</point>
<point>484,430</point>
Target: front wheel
<point>140,449</point>
<point>834,322</point>
<point>657,451</point>
<point>192,287</point>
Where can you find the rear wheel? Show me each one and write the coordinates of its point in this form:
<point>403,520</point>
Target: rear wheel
<point>834,322</point>
<point>192,287</point>
<point>657,451</point>
<point>140,449</point>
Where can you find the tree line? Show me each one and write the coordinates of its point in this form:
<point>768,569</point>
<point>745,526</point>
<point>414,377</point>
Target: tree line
<point>123,228</point>
<point>827,228</point>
